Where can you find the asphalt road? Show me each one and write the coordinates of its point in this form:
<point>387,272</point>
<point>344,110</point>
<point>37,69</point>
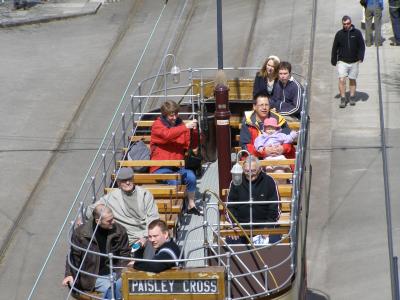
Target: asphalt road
<point>61,82</point>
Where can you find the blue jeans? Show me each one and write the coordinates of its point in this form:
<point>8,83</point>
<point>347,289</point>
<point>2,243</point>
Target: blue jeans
<point>395,18</point>
<point>188,177</point>
<point>117,290</point>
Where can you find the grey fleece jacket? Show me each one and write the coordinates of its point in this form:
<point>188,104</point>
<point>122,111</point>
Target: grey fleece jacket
<point>134,211</point>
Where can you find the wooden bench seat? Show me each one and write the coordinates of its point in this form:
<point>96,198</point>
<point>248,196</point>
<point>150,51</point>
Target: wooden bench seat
<point>239,89</point>
<point>235,121</point>
<point>144,138</point>
<point>281,175</point>
<point>161,190</point>
<point>278,230</point>
<point>93,295</point>
<point>173,206</point>
<point>285,190</point>
<point>147,178</point>
<point>283,221</point>
<point>280,162</point>
<point>170,219</point>
<point>152,163</point>
<point>285,206</point>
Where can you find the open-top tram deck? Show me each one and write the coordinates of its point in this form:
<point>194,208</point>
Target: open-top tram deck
<point>275,270</point>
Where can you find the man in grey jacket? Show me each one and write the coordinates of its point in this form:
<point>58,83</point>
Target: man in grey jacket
<point>133,207</point>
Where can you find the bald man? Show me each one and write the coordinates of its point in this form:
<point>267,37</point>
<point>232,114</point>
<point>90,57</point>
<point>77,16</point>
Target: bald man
<point>109,237</point>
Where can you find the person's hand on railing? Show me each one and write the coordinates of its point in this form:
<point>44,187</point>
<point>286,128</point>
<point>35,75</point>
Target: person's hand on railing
<point>192,124</point>
<point>78,221</point>
<point>67,281</point>
<point>130,264</point>
<point>235,237</point>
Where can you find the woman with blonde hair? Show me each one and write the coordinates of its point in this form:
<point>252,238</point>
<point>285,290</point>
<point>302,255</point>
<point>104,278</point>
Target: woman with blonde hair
<point>267,76</point>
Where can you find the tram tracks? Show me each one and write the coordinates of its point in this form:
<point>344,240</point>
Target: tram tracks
<point>68,131</point>
<point>71,124</point>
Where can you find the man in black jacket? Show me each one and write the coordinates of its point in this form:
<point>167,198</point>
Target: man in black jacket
<point>263,188</point>
<point>347,52</point>
<point>166,249</point>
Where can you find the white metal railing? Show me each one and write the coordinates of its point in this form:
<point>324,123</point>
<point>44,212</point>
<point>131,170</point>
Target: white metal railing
<point>135,108</point>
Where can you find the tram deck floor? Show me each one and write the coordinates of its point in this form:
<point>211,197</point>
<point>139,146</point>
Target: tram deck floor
<point>190,225</point>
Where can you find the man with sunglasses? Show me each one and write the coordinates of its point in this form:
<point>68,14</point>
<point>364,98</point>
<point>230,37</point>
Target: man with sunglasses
<point>347,52</point>
<point>253,126</point>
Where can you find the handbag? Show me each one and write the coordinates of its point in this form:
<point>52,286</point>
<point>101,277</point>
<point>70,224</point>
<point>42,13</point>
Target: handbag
<point>192,160</point>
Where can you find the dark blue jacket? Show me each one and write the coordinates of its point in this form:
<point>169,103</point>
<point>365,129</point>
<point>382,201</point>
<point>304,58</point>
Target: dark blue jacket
<point>260,85</point>
<point>348,46</point>
<point>169,250</point>
<point>374,3</point>
<point>287,99</point>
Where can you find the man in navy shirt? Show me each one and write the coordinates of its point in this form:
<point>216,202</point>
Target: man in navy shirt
<point>166,249</point>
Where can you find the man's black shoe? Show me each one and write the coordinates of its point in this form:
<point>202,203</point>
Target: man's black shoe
<point>394,44</point>
<point>342,102</point>
<point>195,211</point>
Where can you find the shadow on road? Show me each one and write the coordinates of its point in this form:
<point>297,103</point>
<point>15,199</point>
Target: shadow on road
<point>360,96</point>
<point>313,294</point>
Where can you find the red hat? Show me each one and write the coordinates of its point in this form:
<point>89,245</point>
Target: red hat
<point>271,122</point>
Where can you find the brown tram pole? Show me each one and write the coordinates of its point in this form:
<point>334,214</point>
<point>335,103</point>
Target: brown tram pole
<point>223,132</point>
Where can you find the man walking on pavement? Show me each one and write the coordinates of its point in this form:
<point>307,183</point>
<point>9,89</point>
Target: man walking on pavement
<point>373,10</point>
<point>394,10</point>
<point>348,51</point>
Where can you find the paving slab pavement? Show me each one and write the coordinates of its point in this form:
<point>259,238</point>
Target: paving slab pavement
<point>347,249</point>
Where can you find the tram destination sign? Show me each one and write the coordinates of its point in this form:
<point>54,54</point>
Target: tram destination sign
<point>194,283</point>
<point>173,286</point>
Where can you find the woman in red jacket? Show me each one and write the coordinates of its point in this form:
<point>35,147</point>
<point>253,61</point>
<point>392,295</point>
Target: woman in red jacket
<point>170,138</point>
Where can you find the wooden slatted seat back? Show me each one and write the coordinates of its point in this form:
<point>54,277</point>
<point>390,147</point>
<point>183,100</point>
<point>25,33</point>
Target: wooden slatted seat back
<point>238,89</point>
<point>161,191</point>
<point>285,190</point>
<point>235,121</point>
<point>227,231</point>
<point>149,178</point>
<point>90,296</point>
<point>152,163</point>
<point>284,221</point>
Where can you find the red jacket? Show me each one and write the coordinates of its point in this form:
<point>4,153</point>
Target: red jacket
<point>251,130</point>
<point>170,142</point>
